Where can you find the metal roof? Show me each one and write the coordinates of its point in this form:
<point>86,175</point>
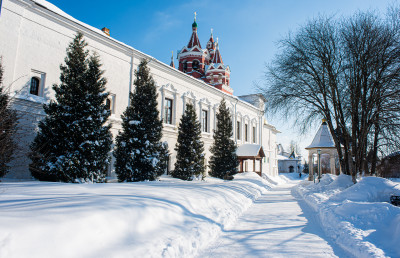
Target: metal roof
<point>323,138</point>
<point>250,150</point>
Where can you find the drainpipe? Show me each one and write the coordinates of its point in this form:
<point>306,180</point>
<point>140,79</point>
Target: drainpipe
<point>235,123</point>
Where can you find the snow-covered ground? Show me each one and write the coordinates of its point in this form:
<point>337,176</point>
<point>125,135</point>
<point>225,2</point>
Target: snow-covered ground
<point>276,225</point>
<point>170,218</point>
<point>359,217</point>
<point>174,218</point>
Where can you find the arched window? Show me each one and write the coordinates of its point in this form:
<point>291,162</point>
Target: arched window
<point>34,89</point>
<point>184,66</point>
<point>108,104</point>
<point>195,65</point>
<point>291,169</point>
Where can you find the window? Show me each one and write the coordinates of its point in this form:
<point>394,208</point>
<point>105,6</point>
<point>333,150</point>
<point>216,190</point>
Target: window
<point>254,134</point>
<point>110,103</point>
<point>35,82</point>
<point>195,65</point>
<point>246,132</point>
<point>204,120</point>
<point>238,130</point>
<point>168,111</point>
<point>184,66</point>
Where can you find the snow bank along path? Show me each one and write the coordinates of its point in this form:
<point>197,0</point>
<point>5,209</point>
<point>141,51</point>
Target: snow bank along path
<point>275,226</point>
<point>169,218</point>
<point>358,216</point>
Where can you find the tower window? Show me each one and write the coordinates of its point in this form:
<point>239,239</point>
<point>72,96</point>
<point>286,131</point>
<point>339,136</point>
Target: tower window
<point>168,111</point>
<point>195,65</point>
<point>34,89</point>
<point>184,65</point>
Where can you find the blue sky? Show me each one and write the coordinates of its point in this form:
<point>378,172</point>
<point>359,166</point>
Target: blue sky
<point>247,30</point>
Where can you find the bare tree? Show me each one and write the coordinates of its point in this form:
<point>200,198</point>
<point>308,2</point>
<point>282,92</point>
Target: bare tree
<point>305,79</point>
<point>347,71</point>
<point>294,146</point>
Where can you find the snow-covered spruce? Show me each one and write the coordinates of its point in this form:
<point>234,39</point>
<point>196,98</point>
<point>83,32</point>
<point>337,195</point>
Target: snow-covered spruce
<point>8,124</point>
<point>189,147</point>
<point>139,153</point>
<point>73,142</point>
<point>224,161</point>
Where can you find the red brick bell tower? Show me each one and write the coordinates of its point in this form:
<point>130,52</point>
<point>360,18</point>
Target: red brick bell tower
<point>205,64</point>
<point>192,58</point>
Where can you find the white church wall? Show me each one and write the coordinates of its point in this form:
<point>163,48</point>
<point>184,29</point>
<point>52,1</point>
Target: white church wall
<point>36,44</point>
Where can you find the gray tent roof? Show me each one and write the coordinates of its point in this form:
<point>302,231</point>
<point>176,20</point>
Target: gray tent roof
<point>323,138</point>
<point>250,150</point>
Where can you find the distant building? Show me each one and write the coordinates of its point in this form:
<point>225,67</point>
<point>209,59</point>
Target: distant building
<point>288,162</point>
<point>390,166</point>
<point>321,149</point>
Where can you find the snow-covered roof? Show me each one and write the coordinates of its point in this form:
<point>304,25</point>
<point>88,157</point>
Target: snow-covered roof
<point>323,138</point>
<point>250,150</point>
<point>281,157</point>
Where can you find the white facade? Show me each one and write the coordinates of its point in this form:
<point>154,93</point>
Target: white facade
<point>33,42</point>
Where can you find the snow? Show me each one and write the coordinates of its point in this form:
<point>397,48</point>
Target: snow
<point>246,217</point>
<point>134,122</point>
<point>168,218</point>
<point>358,217</point>
<point>275,226</point>
<point>248,150</point>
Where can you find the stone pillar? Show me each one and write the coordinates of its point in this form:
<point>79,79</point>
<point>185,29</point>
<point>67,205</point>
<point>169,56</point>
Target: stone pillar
<point>332,164</point>
<point>310,166</point>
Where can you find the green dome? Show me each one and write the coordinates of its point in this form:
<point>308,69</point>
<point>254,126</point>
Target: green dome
<point>194,25</point>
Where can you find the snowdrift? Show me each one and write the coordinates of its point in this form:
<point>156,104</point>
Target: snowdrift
<point>358,216</point>
<point>168,218</point>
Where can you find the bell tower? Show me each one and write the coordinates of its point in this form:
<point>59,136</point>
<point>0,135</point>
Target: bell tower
<point>192,58</point>
<point>204,64</point>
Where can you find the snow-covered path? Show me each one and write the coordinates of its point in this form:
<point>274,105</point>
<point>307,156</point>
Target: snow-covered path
<point>274,226</point>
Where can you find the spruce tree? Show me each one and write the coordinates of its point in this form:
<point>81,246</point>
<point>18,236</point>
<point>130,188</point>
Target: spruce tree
<point>73,141</point>
<point>223,161</point>
<point>189,147</point>
<point>139,154</point>
<point>8,124</point>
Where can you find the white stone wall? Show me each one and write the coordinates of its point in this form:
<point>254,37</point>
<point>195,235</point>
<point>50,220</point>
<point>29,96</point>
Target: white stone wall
<point>34,41</point>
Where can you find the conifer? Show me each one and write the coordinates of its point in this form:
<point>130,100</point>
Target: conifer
<point>223,161</point>
<point>139,153</point>
<point>8,123</point>
<point>73,141</point>
<point>189,147</point>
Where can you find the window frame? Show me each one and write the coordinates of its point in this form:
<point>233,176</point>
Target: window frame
<point>168,110</point>
<point>204,120</point>
<point>246,132</point>
<point>38,81</point>
<point>197,62</point>
<point>254,134</point>
<point>238,131</point>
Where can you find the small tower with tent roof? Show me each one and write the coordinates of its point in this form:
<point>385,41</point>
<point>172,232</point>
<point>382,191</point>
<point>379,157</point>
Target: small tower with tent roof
<point>322,143</point>
<point>218,74</point>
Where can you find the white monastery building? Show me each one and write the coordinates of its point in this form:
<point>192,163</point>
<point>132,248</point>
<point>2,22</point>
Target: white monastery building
<point>34,35</point>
